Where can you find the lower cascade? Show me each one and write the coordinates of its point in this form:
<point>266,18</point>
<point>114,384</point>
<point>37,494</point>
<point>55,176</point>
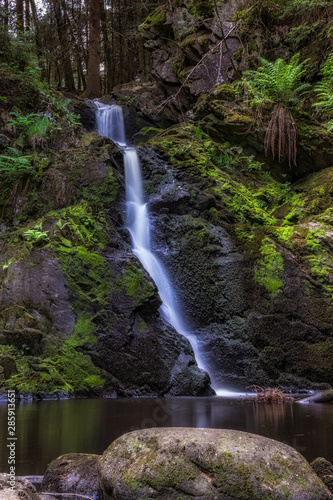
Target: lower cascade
<point>110,123</point>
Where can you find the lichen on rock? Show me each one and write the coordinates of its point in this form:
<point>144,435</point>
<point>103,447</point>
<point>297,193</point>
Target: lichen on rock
<point>205,463</point>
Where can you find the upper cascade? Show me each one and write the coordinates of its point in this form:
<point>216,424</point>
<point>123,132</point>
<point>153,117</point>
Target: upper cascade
<point>110,122</point>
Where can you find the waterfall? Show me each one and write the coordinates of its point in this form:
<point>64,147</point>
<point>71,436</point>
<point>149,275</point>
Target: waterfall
<point>110,123</point>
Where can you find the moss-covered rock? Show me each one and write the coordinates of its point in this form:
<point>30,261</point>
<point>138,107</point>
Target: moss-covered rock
<point>252,265</point>
<point>192,51</point>
<point>205,463</point>
<point>324,469</point>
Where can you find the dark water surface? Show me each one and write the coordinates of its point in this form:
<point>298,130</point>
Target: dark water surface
<point>47,429</point>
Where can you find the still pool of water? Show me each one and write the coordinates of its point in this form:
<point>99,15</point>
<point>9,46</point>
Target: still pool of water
<point>47,429</point>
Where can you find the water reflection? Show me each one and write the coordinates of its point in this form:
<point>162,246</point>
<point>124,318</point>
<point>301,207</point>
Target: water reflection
<point>47,429</point>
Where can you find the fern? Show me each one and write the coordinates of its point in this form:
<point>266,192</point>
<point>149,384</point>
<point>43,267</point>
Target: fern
<point>324,90</point>
<point>14,164</point>
<point>32,128</point>
<point>280,81</point>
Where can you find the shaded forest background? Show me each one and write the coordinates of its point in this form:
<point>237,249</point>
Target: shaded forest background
<point>70,37</point>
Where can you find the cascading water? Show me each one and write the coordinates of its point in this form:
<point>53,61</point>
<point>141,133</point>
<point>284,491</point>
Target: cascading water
<point>110,123</point>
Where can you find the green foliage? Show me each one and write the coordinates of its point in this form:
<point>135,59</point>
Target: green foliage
<point>324,90</point>
<point>68,371</point>
<point>269,269</point>
<point>14,165</point>
<point>279,81</point>
<point>312,27</point>
<point>18,53</point>
<point>32,128</point>
<point>36,234</point>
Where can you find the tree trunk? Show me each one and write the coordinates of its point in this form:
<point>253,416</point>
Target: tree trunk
<point>93,77</point>
<point>19,16</point>
<point>107,52</point>
<point>37,30</point>
<point>27,15</point>
<point>64,47</point>
<point>5,16</point>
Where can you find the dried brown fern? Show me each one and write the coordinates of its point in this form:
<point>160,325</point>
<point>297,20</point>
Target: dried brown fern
<point>281,135</point>
<point>271,395</point>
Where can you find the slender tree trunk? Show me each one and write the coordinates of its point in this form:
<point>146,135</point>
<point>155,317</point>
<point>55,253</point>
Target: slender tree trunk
<point>107,52</point>
<point>27,15</point>
<point>19,16</point>
<point>5,17</point>
<point>64,47</point>
<point>37,30</point>
<point>93,77</point>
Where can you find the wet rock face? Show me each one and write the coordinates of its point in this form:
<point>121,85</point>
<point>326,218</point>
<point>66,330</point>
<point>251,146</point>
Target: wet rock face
<point>86,113</point>
<point>247,334</point>
<point>145,354</point>
<point>35,296</point>
<point>192,34</point>
<point>72,473</point>
<point>76,292</point>
<point>205,463</point>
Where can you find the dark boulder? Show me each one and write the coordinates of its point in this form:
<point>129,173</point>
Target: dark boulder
<point>72,473</point>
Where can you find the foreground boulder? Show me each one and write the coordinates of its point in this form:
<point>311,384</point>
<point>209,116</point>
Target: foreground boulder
<point>324,469</point>
<point>72,473</point>
<point>206,464</point>
<point>22,489</point>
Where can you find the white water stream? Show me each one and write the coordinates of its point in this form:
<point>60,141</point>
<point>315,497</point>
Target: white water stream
<point>110,123</point>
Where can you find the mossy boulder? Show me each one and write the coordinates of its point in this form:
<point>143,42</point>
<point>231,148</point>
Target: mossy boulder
<point>72,473</point>
<point>205,463</point>
<point>324,469</point>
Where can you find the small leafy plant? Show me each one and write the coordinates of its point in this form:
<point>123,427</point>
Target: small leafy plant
<point>36,234</point>
<point>324,91</point>
<point>14,165</point>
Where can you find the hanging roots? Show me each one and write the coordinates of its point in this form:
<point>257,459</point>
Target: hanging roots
<point>281,135</point>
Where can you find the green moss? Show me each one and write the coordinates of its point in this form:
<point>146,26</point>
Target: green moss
<point>201,8</point>
<point>157,17</point>
<point>83,333</point>
<point>68,371</point>
<point>269,270</point>
<point>224,92</point>
<point>220,164</point>
<point>102,193</point>
<point>136,285</point>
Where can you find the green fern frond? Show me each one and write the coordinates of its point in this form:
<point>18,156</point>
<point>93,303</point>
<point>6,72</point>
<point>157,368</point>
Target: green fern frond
<point>280,81</point>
